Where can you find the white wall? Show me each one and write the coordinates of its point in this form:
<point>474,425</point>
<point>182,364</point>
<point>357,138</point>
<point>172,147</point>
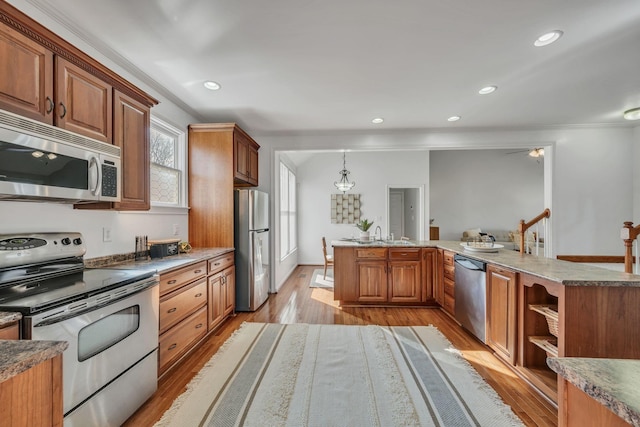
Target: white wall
<point>486,189</point>
<point>592,173</point>
<point>372,173</point>
<point>636,175</point>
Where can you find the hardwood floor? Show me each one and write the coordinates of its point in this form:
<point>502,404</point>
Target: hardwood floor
<point>298,303</point>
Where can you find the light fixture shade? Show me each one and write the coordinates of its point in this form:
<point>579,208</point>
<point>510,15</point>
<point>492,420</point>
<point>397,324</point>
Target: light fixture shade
<point>537,152</point>
<point>344,184</point>
<point>633,114</point>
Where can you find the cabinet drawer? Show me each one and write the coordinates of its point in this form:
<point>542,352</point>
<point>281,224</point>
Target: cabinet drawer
<point>221,262</point>
<point>177,340</point>
<point>449,287</point>
<point>182,303</point>
<point>448,258</point>
<point>411,254</point>
<point>372,253</point>
<point>181,277</point>
<point>449,272</point>
<point>449,304</point>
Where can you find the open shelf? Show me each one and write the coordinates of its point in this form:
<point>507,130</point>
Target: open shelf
<point>550,313</point>
<point>548,343</point>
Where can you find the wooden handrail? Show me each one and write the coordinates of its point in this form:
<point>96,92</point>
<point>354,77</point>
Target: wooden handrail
<point>524,226</point>
<point>629,234</point>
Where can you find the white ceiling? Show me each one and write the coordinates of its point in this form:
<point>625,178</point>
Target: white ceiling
<point>306,66</point>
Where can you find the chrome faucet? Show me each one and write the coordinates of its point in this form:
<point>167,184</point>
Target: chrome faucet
<point>376,233</point>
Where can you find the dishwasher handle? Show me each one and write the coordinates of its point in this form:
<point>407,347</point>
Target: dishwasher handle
<point>470,264</point>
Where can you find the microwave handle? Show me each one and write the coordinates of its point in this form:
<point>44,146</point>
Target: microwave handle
<point>96,176</point>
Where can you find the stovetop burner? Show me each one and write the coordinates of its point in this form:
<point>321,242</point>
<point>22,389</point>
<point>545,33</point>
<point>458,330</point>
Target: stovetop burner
<point>40,271</point>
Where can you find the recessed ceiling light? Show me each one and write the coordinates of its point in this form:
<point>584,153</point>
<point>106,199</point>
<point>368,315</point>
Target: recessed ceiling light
<point>633,114</point>
<point>377,120</point>
<point>454,118</point>
<point>548,38</point>
<point>211,85</point>
<point>488,89</point>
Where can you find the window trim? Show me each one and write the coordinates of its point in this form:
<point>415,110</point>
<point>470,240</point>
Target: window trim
<point>181,160</point>
<point>289,212</point>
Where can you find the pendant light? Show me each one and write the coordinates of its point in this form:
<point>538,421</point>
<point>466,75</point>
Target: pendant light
<point>344,184</point>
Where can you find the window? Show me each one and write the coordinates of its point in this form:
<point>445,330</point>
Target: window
<point>287,211</point>
<point>167,165</point>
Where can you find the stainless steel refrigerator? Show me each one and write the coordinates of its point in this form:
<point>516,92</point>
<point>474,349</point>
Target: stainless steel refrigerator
<point>251,231</point>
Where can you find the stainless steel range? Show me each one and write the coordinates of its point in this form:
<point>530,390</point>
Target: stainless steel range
<point>109,317</point>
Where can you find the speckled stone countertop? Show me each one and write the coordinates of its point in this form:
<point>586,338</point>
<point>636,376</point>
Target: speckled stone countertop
<point>16,356</point>
<point>612,382</point>
<point>6,318</point>
<point>565,272</point>
<point>166,264</point>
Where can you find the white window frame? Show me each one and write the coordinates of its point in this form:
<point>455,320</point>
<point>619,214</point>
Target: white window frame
<point>288,210</point>
<point>181,160</point>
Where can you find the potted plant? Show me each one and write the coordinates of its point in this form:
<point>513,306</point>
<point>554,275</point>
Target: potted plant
<point>364,225</point>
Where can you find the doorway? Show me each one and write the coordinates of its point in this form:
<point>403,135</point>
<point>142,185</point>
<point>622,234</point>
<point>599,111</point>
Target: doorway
<point>405,213</point>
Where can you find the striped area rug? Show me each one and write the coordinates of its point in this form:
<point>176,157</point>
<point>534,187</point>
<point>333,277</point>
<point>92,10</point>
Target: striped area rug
<point>338,375</point>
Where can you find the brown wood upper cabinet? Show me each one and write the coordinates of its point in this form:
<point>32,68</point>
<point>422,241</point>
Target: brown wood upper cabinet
<point>45,78</point>
<point>245,154</point>
<point>26,76</point>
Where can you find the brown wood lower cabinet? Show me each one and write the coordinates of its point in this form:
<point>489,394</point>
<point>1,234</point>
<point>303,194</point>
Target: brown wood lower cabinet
<point>502,288</point>
<point>33,398</point>
<point>194,300</point>
<point>10,331</point>
<point>578,409</point>
<point>381,275</point>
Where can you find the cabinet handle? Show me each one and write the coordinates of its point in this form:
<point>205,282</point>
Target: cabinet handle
<point>216,264</point>
<point>64,110</point>
<point>171,282</point>
<point>171,310</point>
<point>198,271</point>
<point>51,105</point>
<point>199,294</point>
<point>172,346</point>
<point>199,325</point>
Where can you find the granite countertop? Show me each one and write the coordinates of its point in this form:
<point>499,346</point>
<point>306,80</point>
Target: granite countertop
<point>6,318</point>
<point>172,262</point>
<point>16,356</point>
<point>564,272</point>
<point>612,382</point>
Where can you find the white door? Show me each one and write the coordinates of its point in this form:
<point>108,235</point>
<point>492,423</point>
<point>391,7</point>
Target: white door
<point>396,214</point>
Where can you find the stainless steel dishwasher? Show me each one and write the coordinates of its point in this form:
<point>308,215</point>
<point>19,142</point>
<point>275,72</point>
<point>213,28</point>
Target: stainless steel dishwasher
<point>471,295</point>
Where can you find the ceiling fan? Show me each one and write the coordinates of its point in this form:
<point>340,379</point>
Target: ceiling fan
<point>536,153</point>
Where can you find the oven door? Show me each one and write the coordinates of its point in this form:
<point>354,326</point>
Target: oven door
<point>103,344</point>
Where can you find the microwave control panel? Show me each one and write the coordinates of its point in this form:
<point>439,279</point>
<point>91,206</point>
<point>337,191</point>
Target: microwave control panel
<point>109,180</point>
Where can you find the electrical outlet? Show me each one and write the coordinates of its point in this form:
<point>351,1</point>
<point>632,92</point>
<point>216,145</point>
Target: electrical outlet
<point>106,234</point>
<point>176,229</point>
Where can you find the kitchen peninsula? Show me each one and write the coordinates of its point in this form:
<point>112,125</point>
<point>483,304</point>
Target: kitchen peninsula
<point>536,307</point>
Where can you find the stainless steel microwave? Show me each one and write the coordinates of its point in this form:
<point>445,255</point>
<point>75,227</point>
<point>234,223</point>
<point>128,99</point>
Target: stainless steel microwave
<point>41,162</point>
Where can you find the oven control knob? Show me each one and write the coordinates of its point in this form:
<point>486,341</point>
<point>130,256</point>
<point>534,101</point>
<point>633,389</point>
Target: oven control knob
<point>77,241</point>
<point>66,241</point>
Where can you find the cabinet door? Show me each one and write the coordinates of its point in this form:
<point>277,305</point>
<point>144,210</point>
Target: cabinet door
<point>10,332</point>
<point>429,270</point>
<point>216,299</point>
<point>229,291</point>
<point>84,103</point>
<point>252,172</point>
<point>131,124</point>
<point>405,281</point>
<point>438,290</point>
<point>241,156</point>
<point>371,277</point>
<point>501,311</point>
<point>26,76</point>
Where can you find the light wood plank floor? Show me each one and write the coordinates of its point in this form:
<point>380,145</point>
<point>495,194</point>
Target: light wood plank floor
<point>298,303</point>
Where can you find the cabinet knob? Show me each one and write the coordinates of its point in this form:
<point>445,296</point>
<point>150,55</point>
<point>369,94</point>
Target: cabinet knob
<point>198,271</point>
<point>199,325</point>
<point>172,282</point>
<point>199,294</point>
<point>172,346</point>
<point>171,310</point>
<point>64,110</point>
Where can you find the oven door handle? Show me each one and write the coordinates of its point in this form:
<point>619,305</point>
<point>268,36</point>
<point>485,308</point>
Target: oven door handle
<point>96,302</point>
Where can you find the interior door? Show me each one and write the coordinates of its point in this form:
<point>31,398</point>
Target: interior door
<point>396,213</point>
